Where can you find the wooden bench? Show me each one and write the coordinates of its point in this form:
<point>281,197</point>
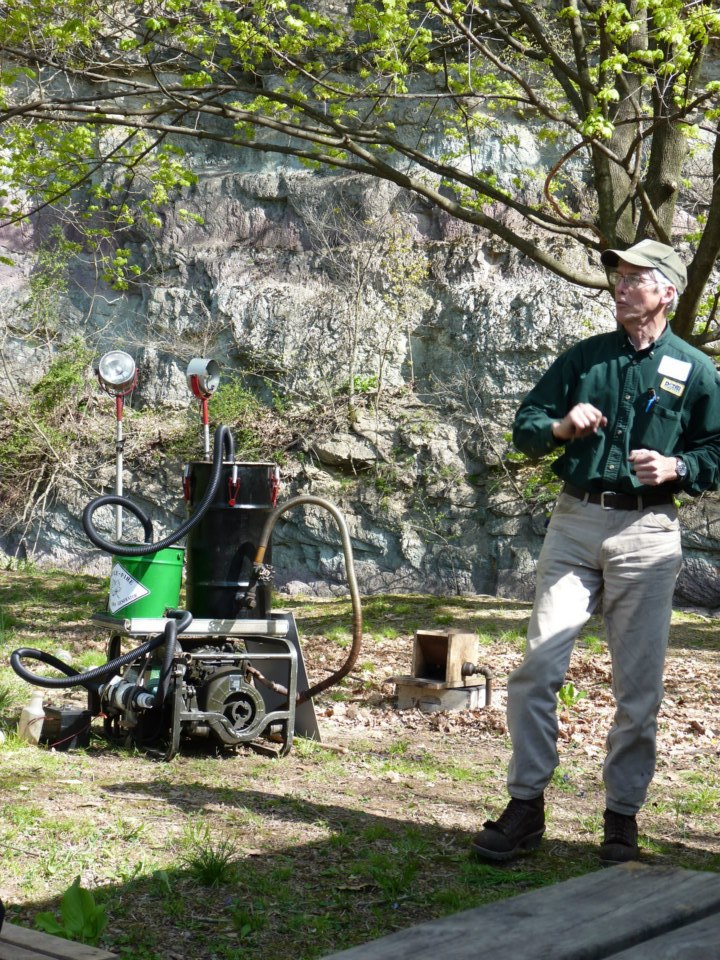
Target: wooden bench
<point>19,943</point>
<point>631,912</point>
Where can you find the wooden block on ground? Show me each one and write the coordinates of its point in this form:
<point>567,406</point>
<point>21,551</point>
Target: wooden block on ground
<point>19,943</point>
<point>599,915</point>
<point>440,654</point>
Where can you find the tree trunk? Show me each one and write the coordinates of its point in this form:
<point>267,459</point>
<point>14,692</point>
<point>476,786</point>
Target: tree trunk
<point>621,225</point>
<point>707,254</point>
<point>662,181</point>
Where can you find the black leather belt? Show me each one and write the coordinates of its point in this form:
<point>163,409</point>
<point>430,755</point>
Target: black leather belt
<point>610,500</point>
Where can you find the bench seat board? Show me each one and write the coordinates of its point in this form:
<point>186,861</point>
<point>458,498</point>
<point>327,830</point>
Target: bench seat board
<point>587,918</point>
<point>696,941</point>
<point>19,943</point>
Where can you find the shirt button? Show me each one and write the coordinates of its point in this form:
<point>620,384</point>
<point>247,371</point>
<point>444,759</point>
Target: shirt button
<point>611,467</point>
<point>618,433</point>
<point>627,396</point>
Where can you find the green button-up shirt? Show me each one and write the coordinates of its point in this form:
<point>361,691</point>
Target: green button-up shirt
<point>664,398</point>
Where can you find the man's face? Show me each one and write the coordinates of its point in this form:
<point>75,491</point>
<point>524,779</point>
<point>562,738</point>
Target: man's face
<point>639,299</point>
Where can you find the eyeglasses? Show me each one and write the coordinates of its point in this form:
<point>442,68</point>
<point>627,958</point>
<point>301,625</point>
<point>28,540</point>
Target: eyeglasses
<point>632,281</point>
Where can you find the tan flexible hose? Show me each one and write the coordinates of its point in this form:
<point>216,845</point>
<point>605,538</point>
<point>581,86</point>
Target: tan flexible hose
<point>272,518</point>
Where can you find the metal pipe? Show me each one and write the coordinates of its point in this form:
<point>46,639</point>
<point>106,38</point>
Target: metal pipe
<point>206,426</point>
<point>266,682</point>
<point>470,669</point>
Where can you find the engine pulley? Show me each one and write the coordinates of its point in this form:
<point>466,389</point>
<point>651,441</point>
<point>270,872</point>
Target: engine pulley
<point>227,692</point>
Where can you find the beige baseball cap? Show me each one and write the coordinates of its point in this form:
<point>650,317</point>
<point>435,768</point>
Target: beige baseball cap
<point>654,256</point>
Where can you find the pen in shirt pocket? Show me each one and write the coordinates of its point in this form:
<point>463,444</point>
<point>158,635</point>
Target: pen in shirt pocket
<point>651,401</point>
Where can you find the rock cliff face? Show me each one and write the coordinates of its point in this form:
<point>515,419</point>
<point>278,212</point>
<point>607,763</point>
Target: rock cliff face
<point>418,467</point>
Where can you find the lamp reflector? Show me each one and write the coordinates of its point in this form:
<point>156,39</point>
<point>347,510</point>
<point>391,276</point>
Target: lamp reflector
<point>116,372</point>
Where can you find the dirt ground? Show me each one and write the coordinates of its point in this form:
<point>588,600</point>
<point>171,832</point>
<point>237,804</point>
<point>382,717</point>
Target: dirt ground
<point>367,832</point>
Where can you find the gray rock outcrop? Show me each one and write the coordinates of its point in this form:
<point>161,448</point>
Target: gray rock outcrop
<point>419,469</point>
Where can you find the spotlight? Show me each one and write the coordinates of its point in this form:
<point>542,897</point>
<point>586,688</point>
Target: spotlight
<point>203,377</point>
<point>117,376</point>
<point>116,373</point>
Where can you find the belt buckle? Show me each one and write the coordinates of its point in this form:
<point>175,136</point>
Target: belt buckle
<point>606,493</point>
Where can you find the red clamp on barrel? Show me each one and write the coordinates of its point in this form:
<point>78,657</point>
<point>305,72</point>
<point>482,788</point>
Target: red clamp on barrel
<point>274,485</point>
<point>233,487</point>
<point>187,483</point>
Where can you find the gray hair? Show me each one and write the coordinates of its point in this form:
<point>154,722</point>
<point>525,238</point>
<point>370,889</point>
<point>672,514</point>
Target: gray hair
<point>663,282</point>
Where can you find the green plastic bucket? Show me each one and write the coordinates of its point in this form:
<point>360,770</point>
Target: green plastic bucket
<point>146,586</point>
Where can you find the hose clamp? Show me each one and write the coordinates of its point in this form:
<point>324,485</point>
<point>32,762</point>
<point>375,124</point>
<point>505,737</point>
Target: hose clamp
<point>233,487</point>
<point>186,482</point>
<point>274,485</point>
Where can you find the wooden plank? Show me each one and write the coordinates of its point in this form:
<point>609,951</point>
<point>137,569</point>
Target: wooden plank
<point>587,918</point>
<point>10,951</point>
<point>19,943</point>
<point>696,941</point>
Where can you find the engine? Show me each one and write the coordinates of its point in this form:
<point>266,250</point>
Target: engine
<point>210,692</point>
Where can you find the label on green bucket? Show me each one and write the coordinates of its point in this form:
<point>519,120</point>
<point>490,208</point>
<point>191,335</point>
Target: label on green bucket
<point>146,585</point>
<point>124,589</point>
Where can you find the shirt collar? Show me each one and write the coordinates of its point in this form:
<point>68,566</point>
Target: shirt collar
<point>628,344</point>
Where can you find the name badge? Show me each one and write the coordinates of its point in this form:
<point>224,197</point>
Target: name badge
<point>672,386</point>
<point>677,369</point>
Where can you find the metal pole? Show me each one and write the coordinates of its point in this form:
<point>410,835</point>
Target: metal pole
<point>206,425</point>
<point>119,443</point>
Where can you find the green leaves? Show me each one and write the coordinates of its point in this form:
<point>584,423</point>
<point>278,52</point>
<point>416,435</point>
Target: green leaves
<point>420,94</point>
<point>81,919</point>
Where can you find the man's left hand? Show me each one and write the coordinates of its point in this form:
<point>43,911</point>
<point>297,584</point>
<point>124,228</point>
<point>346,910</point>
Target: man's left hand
<point>652,468</point>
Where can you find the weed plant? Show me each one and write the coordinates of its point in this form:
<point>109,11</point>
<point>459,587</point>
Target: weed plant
<point>212,862</point>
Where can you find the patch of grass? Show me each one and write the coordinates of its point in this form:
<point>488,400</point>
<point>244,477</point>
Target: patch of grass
<point>514,638</point>
<point>378,831</point>
<point>392,875</point>
<point>444,619</point>
<point>591,824</point>
<point>212,862</point>
<point>7,621</point>
<point>21,815</point>
<point>460,774</point>
<point>563,779</point>
<point>592,643</point>
<point>88,659</point>
<point>698,802</point>
<point>339,636</point>
<point>8,698</point>
<point>248,919</point>
<point>403,609</point>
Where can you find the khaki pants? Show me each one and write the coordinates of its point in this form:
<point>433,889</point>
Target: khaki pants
<point>631,560</point>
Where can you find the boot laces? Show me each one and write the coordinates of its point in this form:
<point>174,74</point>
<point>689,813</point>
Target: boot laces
<point>514,815</point>
<point>620,828</point>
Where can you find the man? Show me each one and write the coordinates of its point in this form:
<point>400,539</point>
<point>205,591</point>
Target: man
<point>638,414</point>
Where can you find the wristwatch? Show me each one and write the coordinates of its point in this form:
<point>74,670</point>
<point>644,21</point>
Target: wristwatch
<point>681,470</point>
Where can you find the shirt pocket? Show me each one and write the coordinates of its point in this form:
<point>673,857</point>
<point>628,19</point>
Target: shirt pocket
<point>660,429</point>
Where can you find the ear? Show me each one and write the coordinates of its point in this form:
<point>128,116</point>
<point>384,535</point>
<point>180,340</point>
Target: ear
<point>668,294</point>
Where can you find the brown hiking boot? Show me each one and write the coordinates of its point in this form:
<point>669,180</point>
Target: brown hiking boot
<point>620,844</point>
<point>520,826</point>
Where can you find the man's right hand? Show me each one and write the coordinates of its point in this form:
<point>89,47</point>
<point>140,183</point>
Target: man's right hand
<point>581,421</point>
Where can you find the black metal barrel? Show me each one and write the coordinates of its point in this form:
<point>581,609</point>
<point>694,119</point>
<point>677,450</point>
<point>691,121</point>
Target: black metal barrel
<point>221,547</point>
